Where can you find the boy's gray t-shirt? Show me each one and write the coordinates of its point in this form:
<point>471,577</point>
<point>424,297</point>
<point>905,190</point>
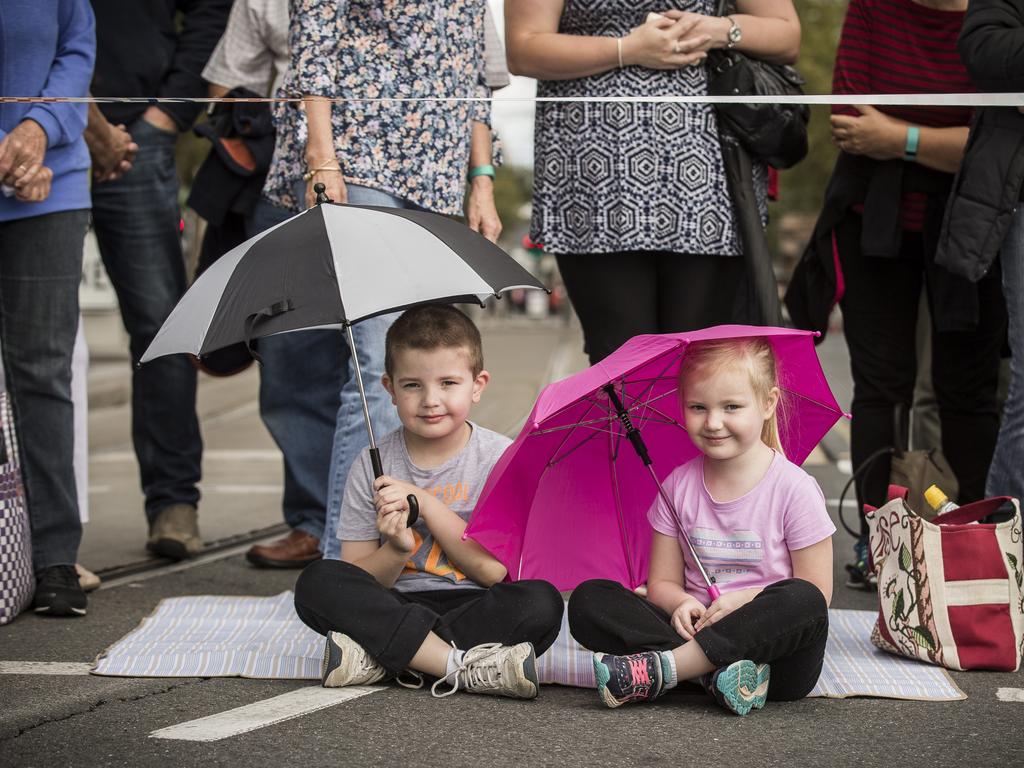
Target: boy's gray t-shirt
<point>457,483</point>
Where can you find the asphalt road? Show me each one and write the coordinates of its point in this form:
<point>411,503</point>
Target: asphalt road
<point>48,720</point>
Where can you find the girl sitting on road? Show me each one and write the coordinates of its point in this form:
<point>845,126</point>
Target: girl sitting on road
<point>758,523</point>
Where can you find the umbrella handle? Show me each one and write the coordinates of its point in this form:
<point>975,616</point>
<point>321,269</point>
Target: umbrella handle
<point>414,510</point>
<point>378,471</point>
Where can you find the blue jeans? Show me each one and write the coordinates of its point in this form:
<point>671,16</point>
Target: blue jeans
<point>136,221</point>
<point>1004,476</point>
<point>302,425</point>
<point>40,268</point>
<point>318,437</point>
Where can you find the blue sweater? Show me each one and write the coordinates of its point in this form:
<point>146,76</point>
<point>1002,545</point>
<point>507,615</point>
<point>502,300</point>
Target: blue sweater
<point>47,48</point>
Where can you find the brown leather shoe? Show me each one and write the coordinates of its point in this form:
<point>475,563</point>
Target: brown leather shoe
<point>296,550</point>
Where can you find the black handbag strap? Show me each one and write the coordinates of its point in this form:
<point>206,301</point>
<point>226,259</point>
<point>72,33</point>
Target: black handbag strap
<point>900,438</point>
<point>720,8</point>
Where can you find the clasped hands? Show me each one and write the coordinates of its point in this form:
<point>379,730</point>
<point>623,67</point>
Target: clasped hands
<point>674,39</point>
<point>691,616</point>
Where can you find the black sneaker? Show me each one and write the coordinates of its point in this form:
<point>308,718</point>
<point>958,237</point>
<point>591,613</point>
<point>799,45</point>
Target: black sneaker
<point>58,592</point>
<point>859,574</point>
<point>624,679</point>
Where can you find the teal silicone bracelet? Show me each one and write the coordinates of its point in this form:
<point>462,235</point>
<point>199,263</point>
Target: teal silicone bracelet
<point>481,170</point>
<point>913,137</point>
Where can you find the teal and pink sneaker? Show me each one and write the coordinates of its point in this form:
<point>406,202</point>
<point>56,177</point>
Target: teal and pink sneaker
<point>625,679</point>
<point>739,687</point>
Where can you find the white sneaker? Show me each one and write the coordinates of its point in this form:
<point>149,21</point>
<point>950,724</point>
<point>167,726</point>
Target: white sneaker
<point>346,662</point>
<point>499,670</point>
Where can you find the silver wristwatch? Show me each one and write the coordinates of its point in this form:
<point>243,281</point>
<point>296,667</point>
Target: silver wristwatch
<point>735,33</point>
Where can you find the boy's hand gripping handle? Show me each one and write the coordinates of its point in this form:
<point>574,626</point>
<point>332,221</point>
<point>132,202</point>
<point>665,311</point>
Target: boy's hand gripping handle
<point>378,470</point>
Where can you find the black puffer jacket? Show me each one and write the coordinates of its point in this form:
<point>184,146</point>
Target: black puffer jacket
<point>988,187</point>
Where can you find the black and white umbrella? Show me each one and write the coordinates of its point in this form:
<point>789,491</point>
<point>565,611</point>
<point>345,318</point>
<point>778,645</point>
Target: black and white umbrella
<point>332,266</point>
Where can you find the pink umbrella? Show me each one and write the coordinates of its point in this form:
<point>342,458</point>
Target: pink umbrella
<point>568,500</point>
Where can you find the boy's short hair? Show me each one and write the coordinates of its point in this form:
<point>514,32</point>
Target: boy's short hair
<point>434,326</point>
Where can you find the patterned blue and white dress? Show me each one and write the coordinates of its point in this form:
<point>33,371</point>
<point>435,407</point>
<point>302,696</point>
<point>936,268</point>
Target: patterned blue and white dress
<point>616,177</point>
<point>377,57</point>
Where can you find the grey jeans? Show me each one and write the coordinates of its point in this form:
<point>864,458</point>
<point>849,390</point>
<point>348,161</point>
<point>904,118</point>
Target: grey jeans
<point>1004,475</point>
<point>40,269</point>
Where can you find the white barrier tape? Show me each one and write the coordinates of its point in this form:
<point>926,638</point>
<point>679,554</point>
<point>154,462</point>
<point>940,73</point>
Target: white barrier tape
<point>873,99</point>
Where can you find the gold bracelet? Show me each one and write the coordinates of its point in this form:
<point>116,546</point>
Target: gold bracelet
<point>314,171</point>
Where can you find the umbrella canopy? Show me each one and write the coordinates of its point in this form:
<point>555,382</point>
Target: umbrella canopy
<point>332,266</point>
<point>568,500</point>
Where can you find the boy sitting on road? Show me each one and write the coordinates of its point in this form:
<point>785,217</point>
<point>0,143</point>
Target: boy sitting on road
<point>422,599</point>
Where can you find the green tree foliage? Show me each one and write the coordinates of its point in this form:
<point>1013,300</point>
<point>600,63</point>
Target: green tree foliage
<point>513,189</point>
<point>801,188</point>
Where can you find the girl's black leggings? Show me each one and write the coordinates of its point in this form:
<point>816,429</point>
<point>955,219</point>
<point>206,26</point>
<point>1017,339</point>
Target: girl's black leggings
<point>786,626</point>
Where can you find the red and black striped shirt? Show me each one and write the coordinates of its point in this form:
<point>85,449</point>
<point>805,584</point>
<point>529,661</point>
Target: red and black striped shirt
<point>898,46</point>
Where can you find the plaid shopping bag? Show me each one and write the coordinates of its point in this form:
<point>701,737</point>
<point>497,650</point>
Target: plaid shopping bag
<point>950,590</point>
<point>17,581</point>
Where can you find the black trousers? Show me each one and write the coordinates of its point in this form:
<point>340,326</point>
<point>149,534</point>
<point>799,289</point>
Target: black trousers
<point>786,626</point>
<point>332,596</point>
<point>880,318</point>
<point>620,295</point>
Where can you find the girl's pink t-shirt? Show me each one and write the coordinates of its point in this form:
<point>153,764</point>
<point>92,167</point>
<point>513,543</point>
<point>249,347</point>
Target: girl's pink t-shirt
<point>745,542</point>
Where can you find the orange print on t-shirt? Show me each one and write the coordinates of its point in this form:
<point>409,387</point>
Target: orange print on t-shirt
<point>436,561</point>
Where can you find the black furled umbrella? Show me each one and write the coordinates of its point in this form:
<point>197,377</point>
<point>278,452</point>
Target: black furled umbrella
<point>332,266</point>
<point>759,301</point>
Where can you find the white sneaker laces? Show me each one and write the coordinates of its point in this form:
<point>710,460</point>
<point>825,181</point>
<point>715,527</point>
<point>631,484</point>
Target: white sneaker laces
<point>471,673</point>
<point>415,683</point>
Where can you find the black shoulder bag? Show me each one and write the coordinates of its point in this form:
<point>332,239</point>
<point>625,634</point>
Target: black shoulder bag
<point>775,133</point>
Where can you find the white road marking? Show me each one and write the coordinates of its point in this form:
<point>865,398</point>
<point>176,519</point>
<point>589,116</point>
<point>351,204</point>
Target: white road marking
<point>1011,694</point>
<point>44,668</point>
<point>845,466</point>
<point>263,713</point>
<point>243,489</point>
<point>237,489</point>
<point>228,454</point>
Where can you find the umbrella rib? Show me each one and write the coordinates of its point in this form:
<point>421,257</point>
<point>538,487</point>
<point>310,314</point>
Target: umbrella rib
<point>642,418</point>
<point>607,420</point>
<point>553,461</point>
<point>667,419</point>
<point>556,458</point>
<point>590,398</point>
<point>656,379</point>
<point>660,377</point>
<point>809,399</point>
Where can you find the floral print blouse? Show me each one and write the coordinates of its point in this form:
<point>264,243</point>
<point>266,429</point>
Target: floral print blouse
<point>360,51</point>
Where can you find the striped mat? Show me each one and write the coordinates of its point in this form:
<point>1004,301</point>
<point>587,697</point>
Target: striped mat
<point>261,637</point>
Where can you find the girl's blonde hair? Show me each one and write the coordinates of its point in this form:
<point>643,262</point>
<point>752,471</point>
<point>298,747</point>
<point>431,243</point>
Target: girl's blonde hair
<point>756,355</point>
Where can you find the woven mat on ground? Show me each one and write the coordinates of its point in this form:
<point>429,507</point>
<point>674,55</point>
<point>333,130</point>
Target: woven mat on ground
<point>261,637</point>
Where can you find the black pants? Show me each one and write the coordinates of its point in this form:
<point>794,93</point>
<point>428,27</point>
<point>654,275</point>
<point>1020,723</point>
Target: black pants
<point>786,626</point>
<point>620,295</point>
<point>332,596</point>
<point>880,317</point>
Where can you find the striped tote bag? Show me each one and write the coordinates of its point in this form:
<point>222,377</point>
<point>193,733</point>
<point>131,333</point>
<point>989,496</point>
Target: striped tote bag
<point>17,581</point>
<point>950,590</point>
